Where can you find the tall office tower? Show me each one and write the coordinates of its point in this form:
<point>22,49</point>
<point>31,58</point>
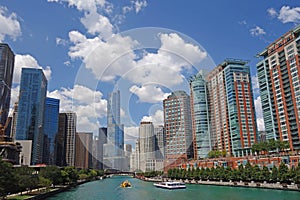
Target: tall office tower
<point>146,147</point>
<point>160,141</point>
<point>33,88</point>
<point>128,152</point>
<point>102,139</point>
<point>60,140</point>
<point>114,149</point>
<point>134,158</point>
<point>83,150</point>
<point>65,139</point>
<point>200,116</point>
<point>128,149</point>
<point>113,108</point>
<point>278,76</point>
<point>232,113</point>
<point>178,128</point>
<point>50,129</point>
<point>14,122</point>
<point>7,59</point>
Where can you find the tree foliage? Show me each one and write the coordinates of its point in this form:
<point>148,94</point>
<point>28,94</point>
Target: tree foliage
<point>245,173</point>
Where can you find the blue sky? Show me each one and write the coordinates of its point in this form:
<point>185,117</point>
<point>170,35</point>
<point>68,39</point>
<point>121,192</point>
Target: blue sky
<point>147,49</point>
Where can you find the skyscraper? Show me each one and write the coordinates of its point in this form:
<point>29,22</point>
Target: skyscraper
<point>279,82</point>
<point>98,148</point>
<point>114,149</point>
<point>200,116</point>
<point>33,88</point>
<point>160,141</point>
<point>83,150</point>
<point>7,59</point>
<point>146,147</point>
<point>178,129</point>
<point>50,128</point>
<point>65,139</point>
<point>232,113</point>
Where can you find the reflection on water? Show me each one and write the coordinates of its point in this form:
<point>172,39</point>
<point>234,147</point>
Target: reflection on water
<point>109,189</point>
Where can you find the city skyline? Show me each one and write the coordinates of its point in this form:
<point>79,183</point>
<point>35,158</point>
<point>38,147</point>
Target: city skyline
<point>86,26</point>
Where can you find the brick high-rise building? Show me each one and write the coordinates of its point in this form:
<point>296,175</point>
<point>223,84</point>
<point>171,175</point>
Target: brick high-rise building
<point>83,150</point>
<point>231,108</point>
<point>279,82</point>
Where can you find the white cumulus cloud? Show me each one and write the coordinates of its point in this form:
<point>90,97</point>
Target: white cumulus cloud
<point>257,31</point>
<point>131,134</point>
<point>173,57</point>
<point>139,5</point>
<point>9,24</point>
<point>28,61</point>
<point>288,14</point>
<point>149,93</point>
<point>157,118</point>
<point>87,103</point>
<point>272,12</point>
<point>83,5</point>
<point>106,60</point>
<point>97,23</point>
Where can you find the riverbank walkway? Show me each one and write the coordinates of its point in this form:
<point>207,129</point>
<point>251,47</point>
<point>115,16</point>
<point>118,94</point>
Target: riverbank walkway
<point>251,184</point>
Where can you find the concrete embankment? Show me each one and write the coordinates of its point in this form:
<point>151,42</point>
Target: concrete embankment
<point>252,184</point>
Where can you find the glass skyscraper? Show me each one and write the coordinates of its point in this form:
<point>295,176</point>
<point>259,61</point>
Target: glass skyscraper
<point>7,59</point>
<point>50,129</point>
<point>200,116</point>
<point>33,88</point>
<point>114,149</point>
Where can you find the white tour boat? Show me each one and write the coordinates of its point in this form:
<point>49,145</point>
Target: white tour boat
<point>170,185</point>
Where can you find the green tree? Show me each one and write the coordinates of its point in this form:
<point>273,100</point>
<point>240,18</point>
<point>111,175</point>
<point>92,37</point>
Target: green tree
<point>44,182</point>
<point>53,173</point>
<point>247,172</point>
<point>256,174</point>
<point>69,175</point>
<point>296,177</point>
<point>283,173</point>
<point>27,178</point>
<point>274,174</point>
<point>7,178</point>
<point>265,174</point>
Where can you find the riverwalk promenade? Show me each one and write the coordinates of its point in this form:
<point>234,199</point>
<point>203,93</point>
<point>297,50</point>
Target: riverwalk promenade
<point>251,184</point>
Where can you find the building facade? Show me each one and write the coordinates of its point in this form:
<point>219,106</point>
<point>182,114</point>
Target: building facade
<point>7,59</point>
<point>114,148</point>
<point>178,129</point>
<point>232,113</point>
<point>98,147</point>
<point>33,88</point>
<point>279,83</point>
<point>147,149</point>
<point>160,141</point>
<point>50,129</point>
<point>200,116</point>
<point>65,139</point>
<point>83,150</point>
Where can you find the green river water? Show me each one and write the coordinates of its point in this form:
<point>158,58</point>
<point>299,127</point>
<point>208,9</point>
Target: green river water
<point>109,189</point>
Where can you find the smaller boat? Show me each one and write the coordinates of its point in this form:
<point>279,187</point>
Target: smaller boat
<point>170,185</point>
<point>125,184</point>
